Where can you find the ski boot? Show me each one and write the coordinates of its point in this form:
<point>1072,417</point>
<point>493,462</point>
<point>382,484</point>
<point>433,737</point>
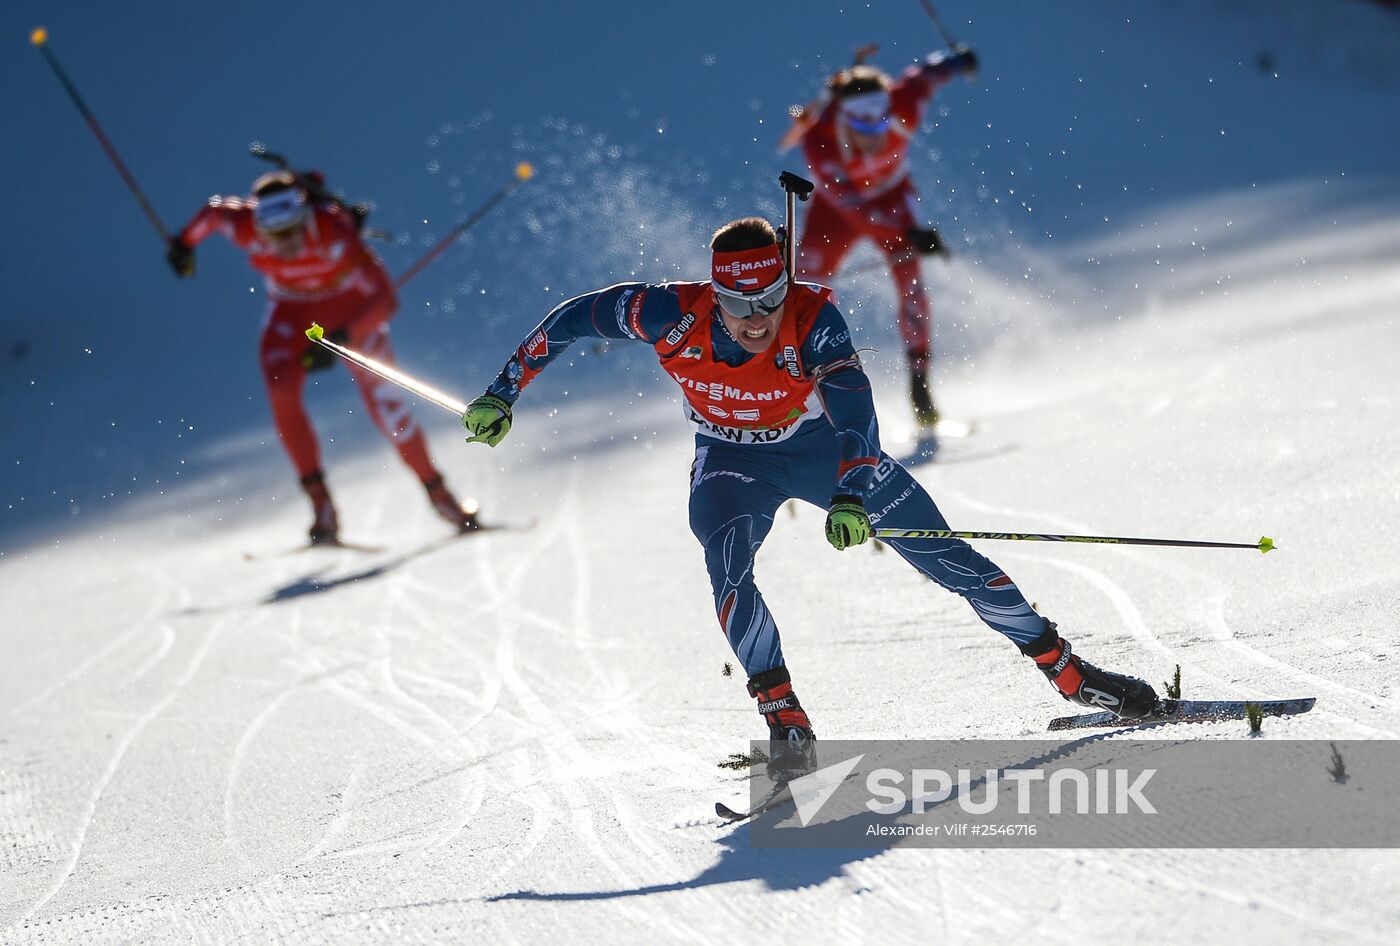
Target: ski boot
<point>792,746</point>
<point>1081,682</point>
<point>325,525</point>
<point>446,505</point>
<point>919,395</point>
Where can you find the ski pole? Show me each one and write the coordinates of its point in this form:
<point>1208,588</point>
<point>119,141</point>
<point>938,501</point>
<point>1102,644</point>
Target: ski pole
<point>797,188</point>
<point>1265,544</point>
<point>40,38</point>
<point>523,172</point>
<point>938,22</point>
<point>393,375</point>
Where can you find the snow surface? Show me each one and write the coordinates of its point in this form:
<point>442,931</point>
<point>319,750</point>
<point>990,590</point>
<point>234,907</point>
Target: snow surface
<point>513,737</point>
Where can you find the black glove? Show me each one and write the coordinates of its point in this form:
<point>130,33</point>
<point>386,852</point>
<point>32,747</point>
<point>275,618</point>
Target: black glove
<point>359,212</point>
<point>318,357</point>
<point>969,60</point>
<point>181,257</point>
<point>928,242</point>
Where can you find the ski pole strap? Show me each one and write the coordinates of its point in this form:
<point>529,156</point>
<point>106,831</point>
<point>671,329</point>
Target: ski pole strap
<point>393,375</point>
<point>1265,544</point>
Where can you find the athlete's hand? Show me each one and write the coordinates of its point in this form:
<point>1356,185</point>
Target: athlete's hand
<point>181,257</point>
<point>488,419</point>
<point>846,522</point>
<point>927,241</point>
<point>319,357</point>
<point>969,60</point>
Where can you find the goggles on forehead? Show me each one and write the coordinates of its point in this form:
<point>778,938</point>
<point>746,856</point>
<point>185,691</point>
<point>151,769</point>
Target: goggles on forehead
<point>746,306</point>
<point>867,113</point>
<point>281,210</point>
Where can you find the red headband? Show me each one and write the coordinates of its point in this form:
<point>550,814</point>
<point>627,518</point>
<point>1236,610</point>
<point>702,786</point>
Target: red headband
<point>748,271</point>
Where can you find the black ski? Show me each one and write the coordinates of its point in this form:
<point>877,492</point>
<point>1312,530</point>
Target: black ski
<point>342,545</point>
<point>777,796</point>
<point>309,546</point>
<point>1187,711</point>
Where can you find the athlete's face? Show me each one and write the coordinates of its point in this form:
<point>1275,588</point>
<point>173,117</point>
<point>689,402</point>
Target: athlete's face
<point>756,333</point>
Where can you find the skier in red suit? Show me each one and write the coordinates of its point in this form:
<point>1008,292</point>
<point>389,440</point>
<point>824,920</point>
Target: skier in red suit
<point>308,247</point>
<point>855,139</point>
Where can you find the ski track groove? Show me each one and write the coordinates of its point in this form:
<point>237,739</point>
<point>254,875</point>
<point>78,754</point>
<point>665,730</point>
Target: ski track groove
<point>163,646</point>
<point>564,755</point>
<point>114,763</point>
<point>342,814</point>
<point>1214,615</point>
<point>159,605</point>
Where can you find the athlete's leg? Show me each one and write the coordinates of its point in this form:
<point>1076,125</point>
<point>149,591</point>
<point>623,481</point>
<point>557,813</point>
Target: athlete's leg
<point>826,239</point>
<point>279,354</point>
<point>280,351</point>
<point>889,220</point>
<point>733,495</point>
<point>388,405</point>
<point>898,501</point>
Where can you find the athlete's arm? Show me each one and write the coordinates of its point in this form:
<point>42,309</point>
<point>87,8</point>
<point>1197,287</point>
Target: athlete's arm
<point>844,390</point>
<point>940,68</point>
<point>626,311</point>
<point>230,216</point>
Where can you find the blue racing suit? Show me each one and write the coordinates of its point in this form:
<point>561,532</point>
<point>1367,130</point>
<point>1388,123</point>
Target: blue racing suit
<point>741,476</point>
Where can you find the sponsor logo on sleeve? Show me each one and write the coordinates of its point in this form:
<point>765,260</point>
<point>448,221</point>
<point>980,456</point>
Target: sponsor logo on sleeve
<point>823,338</point>
<point>538,345</point>
<point>634,315</point>
<point>620,312</point>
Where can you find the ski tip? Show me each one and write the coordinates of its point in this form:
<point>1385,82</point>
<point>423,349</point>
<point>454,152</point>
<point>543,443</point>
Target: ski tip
<point>315,332</point>
<point>524,171</point>
<point>1266,544</point>
<point>39,37</point>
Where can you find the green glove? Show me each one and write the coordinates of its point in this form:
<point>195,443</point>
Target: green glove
<point>488,419</point>
<point>846,522</point>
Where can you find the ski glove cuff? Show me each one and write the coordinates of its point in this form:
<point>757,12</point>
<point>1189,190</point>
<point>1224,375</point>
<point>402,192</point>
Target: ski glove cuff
<point>487,419</point>
<point>846,522</point>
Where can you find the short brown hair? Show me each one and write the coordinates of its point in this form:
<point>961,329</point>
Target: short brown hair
<point>746,233</point>
<point>857,80</point>
<point>274,181</point>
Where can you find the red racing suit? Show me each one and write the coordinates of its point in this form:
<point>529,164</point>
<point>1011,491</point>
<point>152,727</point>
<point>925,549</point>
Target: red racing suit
<point>871,196</point>
<point>337,282</point>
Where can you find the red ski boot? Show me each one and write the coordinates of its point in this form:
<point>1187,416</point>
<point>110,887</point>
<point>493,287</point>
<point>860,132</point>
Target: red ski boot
<point>325,524</point>
<point>461,518</point>
<point>1081,682</point>
<point>792,746</point>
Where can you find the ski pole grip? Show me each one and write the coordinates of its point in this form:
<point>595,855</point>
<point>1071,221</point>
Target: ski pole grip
<point>799,186</point>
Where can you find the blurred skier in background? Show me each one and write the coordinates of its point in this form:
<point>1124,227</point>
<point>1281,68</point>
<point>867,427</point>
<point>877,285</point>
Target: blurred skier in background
<point>308,246</point>
<point>855,139</point>
<point>782,409</point>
